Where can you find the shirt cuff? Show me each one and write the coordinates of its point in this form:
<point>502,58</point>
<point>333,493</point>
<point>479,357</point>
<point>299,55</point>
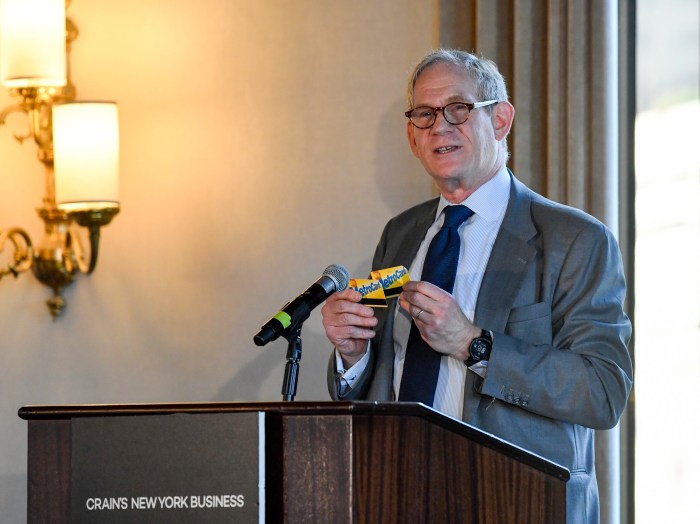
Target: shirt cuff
<point>480,368</point>
<point>348,377</point>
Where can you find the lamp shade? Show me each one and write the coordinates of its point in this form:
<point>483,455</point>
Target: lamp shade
<point>86,155</point>
<point>33,43</point>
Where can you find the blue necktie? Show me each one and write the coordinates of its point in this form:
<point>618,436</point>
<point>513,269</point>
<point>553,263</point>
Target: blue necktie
<point>422,364</point>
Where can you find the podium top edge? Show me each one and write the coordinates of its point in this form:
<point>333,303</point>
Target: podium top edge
<point>300,408</point>
<point>34,412</point>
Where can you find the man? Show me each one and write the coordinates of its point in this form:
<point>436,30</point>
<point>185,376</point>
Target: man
<point>530,338</point>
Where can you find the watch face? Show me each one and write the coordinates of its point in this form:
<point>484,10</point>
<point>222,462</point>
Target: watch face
<point>479,348</point>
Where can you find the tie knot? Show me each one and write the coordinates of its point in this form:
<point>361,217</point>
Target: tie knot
<point>456,215</point>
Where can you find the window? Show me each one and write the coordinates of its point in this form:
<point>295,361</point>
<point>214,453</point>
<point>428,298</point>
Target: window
<point>667,263</point>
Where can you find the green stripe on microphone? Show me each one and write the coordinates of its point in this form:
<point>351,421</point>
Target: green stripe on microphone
<point>284,319</point>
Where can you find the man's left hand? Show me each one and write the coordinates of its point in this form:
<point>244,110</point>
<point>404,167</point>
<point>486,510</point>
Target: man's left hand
<point>439,318</point>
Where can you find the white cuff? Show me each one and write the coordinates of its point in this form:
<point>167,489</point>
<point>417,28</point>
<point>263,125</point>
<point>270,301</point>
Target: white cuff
<point>349,376</point>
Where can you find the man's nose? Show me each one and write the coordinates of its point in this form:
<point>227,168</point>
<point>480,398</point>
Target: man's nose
<point>441,123</point>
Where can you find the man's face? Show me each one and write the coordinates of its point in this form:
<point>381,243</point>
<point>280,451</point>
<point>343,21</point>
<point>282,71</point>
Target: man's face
<point>465,155</point>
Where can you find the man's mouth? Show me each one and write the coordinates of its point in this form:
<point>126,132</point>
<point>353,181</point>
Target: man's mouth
<point>445,149</point>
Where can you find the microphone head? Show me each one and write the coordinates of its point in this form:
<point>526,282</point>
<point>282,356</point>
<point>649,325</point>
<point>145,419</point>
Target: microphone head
<point>339,275</point>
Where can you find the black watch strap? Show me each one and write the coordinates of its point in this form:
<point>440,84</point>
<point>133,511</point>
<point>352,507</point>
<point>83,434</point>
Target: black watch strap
<point>480,348</point>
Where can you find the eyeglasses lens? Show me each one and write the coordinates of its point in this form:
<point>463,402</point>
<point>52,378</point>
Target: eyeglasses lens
<point>455,113</point>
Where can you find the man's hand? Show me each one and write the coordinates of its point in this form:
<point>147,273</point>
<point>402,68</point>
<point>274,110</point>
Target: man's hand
<point>439,318</point>
<point>348,324</point>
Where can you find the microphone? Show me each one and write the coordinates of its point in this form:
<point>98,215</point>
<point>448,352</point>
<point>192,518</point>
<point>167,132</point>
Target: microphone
<point>334,278</point>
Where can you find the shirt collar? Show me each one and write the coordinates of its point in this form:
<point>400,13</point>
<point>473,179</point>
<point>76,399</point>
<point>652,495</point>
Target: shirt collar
<point>489,201</point>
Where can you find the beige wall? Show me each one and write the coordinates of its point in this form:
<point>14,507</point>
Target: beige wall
<point>261,140</point>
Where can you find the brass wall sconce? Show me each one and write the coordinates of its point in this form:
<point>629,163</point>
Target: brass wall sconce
<point>78,144</point>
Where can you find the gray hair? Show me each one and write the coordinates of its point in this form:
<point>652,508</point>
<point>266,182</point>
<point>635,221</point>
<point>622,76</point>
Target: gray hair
<point>490,84</point>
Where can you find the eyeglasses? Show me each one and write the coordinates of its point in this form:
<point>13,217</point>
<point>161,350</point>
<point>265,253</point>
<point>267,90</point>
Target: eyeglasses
<point>455,113</point>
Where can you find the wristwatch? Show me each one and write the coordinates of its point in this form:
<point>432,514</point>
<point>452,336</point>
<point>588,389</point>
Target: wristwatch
<point>480,348</point>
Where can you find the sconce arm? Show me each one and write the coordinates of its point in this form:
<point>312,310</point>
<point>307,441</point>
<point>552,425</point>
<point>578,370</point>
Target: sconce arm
<point>23,252</point>
<point>93,220</point>
<point>94,247</point>
<point>15,108</point>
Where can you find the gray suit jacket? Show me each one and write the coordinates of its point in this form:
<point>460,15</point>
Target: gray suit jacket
<point>552,294</point>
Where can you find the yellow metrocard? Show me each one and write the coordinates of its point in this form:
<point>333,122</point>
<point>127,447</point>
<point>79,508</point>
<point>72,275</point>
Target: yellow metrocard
<point>392,280</point>
<point>372,291</point>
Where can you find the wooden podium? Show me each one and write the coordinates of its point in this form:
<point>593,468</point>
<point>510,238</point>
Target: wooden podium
<point>340,462</point>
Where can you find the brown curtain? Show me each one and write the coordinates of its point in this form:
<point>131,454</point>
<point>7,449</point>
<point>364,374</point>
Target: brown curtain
<point>561,62</point>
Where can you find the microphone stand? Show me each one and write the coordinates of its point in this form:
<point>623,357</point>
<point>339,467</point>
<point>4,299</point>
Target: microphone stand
<point>291,369</point>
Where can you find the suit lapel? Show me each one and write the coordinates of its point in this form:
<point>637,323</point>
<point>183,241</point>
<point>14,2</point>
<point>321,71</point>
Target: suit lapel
<point>510,258</point>
<point>508,264</point>
<point>403,249</point>
<point>411,235</point>
<point>401,252</point>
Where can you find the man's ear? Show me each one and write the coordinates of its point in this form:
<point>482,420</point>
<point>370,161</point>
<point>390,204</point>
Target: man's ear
<point>411,135</point>
<point>502,119</point>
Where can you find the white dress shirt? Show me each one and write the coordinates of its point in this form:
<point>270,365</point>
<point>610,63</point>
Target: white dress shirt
<point>478,235</point>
